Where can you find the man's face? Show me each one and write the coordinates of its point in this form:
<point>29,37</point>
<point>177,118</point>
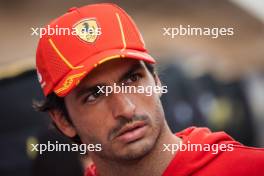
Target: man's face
<point>127,125</point>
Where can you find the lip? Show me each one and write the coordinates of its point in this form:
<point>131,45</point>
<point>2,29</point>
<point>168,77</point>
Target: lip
<point>132,132</point>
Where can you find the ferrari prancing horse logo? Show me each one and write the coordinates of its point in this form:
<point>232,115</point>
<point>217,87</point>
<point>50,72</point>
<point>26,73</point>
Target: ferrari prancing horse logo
<point>87,30</point>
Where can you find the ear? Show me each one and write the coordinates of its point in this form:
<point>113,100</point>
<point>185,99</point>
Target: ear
<point>64,125</point>
<point>157,82</point>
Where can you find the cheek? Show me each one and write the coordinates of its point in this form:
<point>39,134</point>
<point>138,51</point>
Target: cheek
<point>148,102</point>
<point>91,124</point>
<point>153,104</point>
<point>151,98</point>
<point>149,105</point>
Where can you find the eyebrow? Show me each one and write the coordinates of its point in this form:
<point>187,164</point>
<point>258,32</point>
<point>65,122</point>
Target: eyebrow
<point>93,88</point>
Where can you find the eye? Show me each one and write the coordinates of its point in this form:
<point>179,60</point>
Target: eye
<point>92,97</point>
<point>133,78</point>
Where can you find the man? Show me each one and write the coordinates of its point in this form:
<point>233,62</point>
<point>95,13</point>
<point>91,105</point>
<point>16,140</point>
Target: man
<point>106,49</point>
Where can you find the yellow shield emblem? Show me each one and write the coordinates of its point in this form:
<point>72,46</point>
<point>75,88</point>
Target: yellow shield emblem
<point>87,30</point>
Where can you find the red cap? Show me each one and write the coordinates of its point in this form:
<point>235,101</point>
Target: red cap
<point>82,39</point>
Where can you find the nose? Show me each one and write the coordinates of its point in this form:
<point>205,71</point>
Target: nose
<point>122,106</point>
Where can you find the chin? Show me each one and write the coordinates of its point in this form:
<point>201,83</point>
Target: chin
<point>135,150</point>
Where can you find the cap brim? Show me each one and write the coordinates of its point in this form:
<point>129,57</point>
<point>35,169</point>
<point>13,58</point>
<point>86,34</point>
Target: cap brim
<point>73,78</point>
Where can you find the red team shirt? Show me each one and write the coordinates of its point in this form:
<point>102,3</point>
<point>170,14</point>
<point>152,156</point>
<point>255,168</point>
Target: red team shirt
<point>241,161</point>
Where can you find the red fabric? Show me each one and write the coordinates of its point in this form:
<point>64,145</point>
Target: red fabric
<point>242,161</point>
<point>91,171</point>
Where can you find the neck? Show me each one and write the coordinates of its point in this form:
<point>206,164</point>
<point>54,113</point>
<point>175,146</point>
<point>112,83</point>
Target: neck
<point>153,163</point>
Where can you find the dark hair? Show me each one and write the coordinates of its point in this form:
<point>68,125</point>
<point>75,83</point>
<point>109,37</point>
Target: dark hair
<point>54,102</point>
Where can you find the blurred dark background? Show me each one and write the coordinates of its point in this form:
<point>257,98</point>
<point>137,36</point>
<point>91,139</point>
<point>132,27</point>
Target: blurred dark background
<point>218,83</point>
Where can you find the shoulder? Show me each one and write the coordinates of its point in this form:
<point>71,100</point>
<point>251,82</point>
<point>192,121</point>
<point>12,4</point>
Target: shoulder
<point>247,154</point>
